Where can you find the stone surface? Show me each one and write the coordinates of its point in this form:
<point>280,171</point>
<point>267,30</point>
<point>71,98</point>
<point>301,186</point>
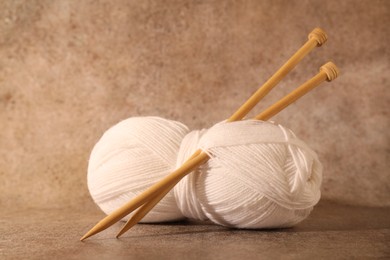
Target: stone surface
<point>331,232</point>
<point>71,69</point>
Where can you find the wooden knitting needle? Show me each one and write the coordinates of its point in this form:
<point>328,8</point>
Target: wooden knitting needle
<point>316,38</point>
<point>328,72</point>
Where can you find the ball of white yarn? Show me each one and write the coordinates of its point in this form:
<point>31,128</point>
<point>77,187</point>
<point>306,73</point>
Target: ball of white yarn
<point>260,175</point>
<point>130,157</point>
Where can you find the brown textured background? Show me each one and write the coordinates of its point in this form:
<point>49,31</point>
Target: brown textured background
<point>71,69</point>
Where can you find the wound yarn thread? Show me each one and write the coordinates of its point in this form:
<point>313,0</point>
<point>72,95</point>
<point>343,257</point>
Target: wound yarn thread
<point>131,156</point>
<point>260,175</point>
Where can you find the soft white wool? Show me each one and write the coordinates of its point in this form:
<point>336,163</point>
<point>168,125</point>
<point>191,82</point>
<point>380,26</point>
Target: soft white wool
<point>131,156</point>
<point>260,175</point>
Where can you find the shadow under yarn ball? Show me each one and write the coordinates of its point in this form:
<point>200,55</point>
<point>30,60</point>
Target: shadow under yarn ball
<point>260,174</point>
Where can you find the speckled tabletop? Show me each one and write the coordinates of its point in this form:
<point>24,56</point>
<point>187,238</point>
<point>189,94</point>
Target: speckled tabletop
<point>331,232</point>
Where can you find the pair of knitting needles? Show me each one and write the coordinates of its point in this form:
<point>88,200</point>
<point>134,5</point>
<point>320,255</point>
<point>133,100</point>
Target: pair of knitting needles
<point>150,197</point>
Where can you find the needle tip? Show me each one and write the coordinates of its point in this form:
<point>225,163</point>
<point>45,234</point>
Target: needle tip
<point>87,235</point>
<point>120,233</point>
<point>84,237</point>
<point>90,233</point>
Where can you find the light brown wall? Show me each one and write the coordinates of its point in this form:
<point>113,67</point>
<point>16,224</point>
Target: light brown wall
<point>71,69</point>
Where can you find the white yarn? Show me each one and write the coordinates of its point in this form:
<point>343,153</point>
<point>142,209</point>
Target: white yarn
<point>260,175</point>
<point>130,157</point>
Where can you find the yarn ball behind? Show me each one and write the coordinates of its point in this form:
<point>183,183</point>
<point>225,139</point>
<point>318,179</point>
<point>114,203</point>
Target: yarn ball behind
<point>129,158</point>
<point>260,175</point>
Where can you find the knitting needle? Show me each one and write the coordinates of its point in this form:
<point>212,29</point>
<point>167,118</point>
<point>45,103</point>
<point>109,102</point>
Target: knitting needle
<point>328,72</point>
<point>316,38</point>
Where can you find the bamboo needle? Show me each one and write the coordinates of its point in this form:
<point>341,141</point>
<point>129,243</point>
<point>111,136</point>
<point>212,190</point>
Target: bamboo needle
<point>316,38</point>
<point>328,72</point>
